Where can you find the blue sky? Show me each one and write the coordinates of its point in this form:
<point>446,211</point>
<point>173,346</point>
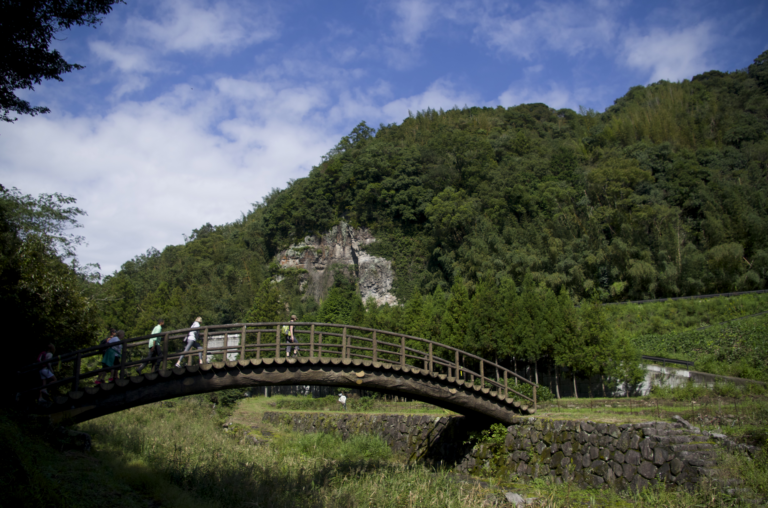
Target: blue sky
<point>189,111</point>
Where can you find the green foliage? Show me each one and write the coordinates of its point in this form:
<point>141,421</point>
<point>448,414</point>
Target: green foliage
<point>28,29</point>
<point>46,294</point>
<point>543,394</point>
<point>488,214</point>
<point>359,448</point>
<point>692,392</point>
<point>738,348</point>
<point>494,436</point>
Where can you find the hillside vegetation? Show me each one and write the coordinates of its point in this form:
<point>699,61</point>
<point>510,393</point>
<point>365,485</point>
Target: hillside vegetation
<point>664,194</point>
<point>498,221</point>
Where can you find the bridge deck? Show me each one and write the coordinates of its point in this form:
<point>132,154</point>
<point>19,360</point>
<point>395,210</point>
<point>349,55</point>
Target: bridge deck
<point>336,355</point>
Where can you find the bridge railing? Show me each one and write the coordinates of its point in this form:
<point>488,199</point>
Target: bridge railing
<point>266,340</point>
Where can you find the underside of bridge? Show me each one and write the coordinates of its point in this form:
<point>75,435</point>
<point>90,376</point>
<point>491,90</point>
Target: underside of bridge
<point>438,389</point>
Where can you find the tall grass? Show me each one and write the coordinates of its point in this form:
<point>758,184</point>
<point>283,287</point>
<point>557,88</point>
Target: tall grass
<point>186,446</point>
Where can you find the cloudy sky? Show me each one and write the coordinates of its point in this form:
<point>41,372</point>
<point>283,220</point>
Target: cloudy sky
<point>189,111</point>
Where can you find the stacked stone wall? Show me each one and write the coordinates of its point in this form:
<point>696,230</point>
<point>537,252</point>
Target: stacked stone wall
<point>586,453</point>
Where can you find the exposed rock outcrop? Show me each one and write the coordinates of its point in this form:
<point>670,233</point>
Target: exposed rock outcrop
<point>342,248</point>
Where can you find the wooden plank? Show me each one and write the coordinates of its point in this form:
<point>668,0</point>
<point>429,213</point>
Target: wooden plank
<point>76,374</point>
<point>402,351</point>
<point>242,344</point>
<point>277,341</point>
<point>431,359</point>
<point>320,346</point>
<point>375,346</point>
<point>258,345</point>
<point>458,367</point>
<point>165,351</point>
<point>344,343</point>
<point>482,375</point>
<point>312,341</point>
<point>205,347</point>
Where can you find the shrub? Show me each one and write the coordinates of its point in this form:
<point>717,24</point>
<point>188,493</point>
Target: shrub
<point>543,394</point>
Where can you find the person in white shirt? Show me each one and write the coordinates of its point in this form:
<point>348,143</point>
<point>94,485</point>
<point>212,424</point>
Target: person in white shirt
<point>191,341</point>
<point>343,400</point>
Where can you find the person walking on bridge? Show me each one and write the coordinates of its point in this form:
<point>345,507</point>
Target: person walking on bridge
<point>191,342</point>
<point>46,371</point>
<point>111,356</point>
<point>291,339</point>
<point>153,356</point>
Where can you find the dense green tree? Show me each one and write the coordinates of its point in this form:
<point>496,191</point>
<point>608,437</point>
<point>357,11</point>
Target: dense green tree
<point>266,306</point>
<point>27,28</point>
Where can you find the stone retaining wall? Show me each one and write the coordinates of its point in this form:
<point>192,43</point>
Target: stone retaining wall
<point>598,454</point>
<point>589,454</point>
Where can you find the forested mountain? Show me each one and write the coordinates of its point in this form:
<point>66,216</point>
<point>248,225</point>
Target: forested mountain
<point>664,194</point>
<point>494,209</point>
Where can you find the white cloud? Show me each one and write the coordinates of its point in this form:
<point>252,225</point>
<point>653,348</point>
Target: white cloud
<point>671,55</point>
<point>414,18</point>
<point>220,27</point>
<point>125,58</point>
<point>148,172</point>
<point>555,96</point>
<point>440,94</point>
<point>568,27</point>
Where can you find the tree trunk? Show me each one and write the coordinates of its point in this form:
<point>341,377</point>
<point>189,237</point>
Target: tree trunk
<point>557,384</point>
<point>536,370</point>
<point>602,382</point>
<point>549,374</point>
<point>515,360</point>
<point>575,391</point>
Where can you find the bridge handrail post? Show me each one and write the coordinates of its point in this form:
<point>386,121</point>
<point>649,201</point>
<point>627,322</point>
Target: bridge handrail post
<point>375,347</point>
<point>165,351</point>
<point>76,374</point>
<point>402,351</point>
<point>312,341</point>
<point>482,374</point>
<point>457,365</point>
<point>506,386</point>
<point>205,346</point>
<point>258,344</point>
<point>123,355</point>
<point>320,345</point>
<point>344,343</point>
<point>534,397</point>
<point>242,344</point>
<point>277,342</point>
<point>431,359</point>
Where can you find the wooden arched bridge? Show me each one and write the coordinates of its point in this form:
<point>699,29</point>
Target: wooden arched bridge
<point>253,355</point>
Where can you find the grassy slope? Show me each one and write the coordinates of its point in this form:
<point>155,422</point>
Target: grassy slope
<point>177,454</point>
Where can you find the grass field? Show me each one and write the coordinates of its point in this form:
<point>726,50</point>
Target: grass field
<point>178,453</point>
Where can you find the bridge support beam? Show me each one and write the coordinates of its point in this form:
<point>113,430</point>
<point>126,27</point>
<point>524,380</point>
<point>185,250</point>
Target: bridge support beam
<point>438,389</point>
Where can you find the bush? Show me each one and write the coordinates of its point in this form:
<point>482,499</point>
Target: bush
<point>543,394</point>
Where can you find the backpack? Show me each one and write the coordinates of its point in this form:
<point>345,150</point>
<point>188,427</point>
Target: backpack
<point>286,328</point>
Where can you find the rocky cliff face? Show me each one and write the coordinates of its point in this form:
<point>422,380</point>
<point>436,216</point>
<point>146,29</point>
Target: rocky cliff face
<point>342,248</point>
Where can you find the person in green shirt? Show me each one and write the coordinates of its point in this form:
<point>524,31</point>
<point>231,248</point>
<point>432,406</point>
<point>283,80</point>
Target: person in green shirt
<point>153,356</point>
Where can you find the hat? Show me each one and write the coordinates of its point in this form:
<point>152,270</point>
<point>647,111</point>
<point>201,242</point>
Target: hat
<point>293,316</point>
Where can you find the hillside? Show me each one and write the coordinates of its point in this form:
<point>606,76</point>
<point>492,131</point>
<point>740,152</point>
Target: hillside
<point>664,194</point>
<point>494,222</point>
